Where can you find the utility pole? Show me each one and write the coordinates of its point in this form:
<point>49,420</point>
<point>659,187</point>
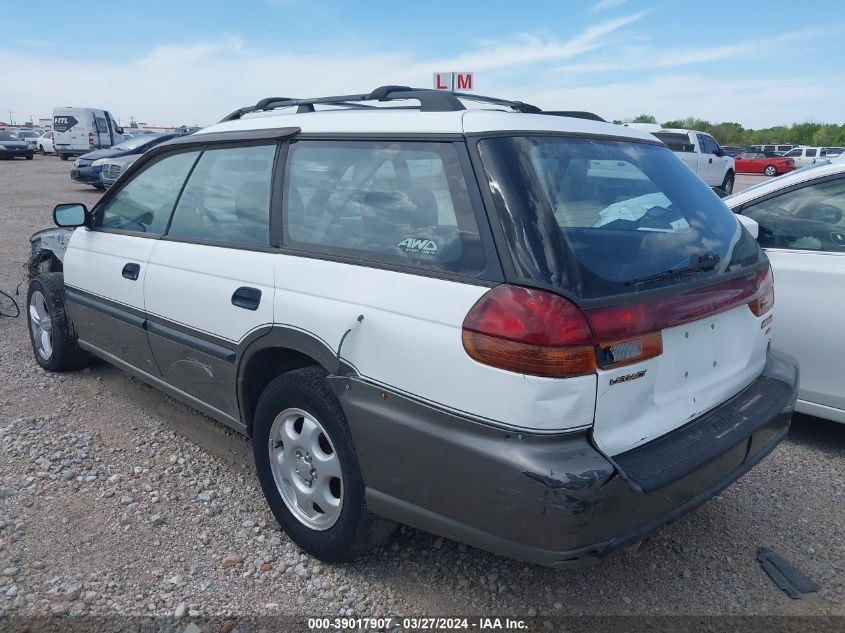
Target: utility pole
<point>10,118</point>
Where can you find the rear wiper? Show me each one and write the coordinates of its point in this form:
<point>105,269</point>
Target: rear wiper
<point>706,262</point>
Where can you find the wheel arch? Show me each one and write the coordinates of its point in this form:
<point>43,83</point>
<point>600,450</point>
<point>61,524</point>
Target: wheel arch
<point>274,351</point>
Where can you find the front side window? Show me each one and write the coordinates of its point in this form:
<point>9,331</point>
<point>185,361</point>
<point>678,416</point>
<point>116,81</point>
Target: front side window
<point>707,144</point>
<point>601,218</point>
<point>227,198</point>
<point>809,218</point>
<point>102,126</point>
<point>144,203</point>
<point>793,153</point>
<point>404,203</point>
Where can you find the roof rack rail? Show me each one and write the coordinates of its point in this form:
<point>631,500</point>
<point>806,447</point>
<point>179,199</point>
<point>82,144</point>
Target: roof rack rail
<point>430,101</point>
<point>576,114</point>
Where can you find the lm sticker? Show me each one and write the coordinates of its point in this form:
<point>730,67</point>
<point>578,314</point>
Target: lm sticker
<point>417,246</point>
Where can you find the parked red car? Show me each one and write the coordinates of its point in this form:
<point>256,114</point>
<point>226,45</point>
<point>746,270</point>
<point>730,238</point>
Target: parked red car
<point>763,163</point>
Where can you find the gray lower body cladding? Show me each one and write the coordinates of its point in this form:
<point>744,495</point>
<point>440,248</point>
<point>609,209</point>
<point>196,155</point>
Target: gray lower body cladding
<point>552,500</point>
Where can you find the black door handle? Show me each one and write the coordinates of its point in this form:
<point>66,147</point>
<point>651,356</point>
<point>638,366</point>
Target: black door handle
<point>711,160</point>
<point>246,298</point>
<point>131,271</point>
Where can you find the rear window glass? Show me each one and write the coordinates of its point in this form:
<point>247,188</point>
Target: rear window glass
<point>676,141</point>
<point>404,203</point>
<point>601,217</point>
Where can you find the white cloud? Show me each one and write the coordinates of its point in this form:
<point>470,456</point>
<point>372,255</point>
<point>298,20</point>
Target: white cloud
<point>529,49</point>
<point>601,5</point>
<point>201,82</point>
<point>768,48</point>
<point>754,103</point>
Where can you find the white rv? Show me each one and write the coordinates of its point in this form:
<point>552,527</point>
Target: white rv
<point>78,131</point>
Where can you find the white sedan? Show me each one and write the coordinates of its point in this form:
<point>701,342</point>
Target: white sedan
<point>801,227</point>
<point>44,143</point>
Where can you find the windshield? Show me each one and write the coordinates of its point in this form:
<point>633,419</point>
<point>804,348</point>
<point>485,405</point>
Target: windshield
<point>27,134</point>
<point>8,136</point>
<point>597,217</point>
<point>136,141</point>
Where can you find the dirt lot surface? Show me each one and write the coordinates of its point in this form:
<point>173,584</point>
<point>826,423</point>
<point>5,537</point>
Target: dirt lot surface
<point>115,499</point>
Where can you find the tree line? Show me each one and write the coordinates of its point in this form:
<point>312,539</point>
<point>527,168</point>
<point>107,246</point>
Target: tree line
<point>820,134</point>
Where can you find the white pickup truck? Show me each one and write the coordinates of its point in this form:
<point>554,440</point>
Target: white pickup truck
<point>703,155</point>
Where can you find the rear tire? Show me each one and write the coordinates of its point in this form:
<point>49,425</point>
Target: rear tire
<point>303,397</point>
<point>770,170</point>
<point>63,156</point>
<point>728,183</point>
<point>51,332</point>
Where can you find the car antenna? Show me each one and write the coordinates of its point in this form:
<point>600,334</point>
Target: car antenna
<point>342,339</point>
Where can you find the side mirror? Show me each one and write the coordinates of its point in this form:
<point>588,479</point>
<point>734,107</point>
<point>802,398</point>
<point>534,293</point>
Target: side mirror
<point>120,130</point>
<point>750,225</point>
<point>70,215</point>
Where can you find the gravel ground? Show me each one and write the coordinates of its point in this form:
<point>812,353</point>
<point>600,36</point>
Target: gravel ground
<point>115,499</point>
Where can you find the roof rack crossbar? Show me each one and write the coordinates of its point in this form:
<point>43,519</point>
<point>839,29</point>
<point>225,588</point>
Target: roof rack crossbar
<point>430,101</point>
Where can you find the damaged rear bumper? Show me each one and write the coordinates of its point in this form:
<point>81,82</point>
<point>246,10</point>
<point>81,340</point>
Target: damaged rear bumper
<point>553,500</point>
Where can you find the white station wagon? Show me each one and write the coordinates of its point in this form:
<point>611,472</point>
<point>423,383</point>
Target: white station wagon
<point>540,335</point>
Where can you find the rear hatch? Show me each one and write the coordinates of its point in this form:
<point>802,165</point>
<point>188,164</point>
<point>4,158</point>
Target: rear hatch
<point>71,127</point>
<point>677,295</point>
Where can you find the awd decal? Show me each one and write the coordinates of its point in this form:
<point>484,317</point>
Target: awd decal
<point>418,246</point>
<point>628,377</point>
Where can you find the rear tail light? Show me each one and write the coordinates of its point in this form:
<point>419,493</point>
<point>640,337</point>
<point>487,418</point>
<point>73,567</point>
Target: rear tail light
<point>91,139</point>
<point>536,332</point>
<point>764,298</point>
<point>529,331</point>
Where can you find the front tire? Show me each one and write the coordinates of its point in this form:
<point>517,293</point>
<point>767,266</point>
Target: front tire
<point>308,468</point>
<point>63,156</point>
<point>728,183</point>
<point>30,155</point>
<point>770,170</point>
<point>50,330</point>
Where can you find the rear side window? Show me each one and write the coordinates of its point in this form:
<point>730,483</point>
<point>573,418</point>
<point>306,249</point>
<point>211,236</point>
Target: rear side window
<point>403,203</point>
<point>227,197</point>
<point>145,202</point>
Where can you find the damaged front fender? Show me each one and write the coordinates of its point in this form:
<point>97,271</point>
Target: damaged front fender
<point>47,250</point>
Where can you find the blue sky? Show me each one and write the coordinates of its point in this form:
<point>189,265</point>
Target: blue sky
<point>192,62</point>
